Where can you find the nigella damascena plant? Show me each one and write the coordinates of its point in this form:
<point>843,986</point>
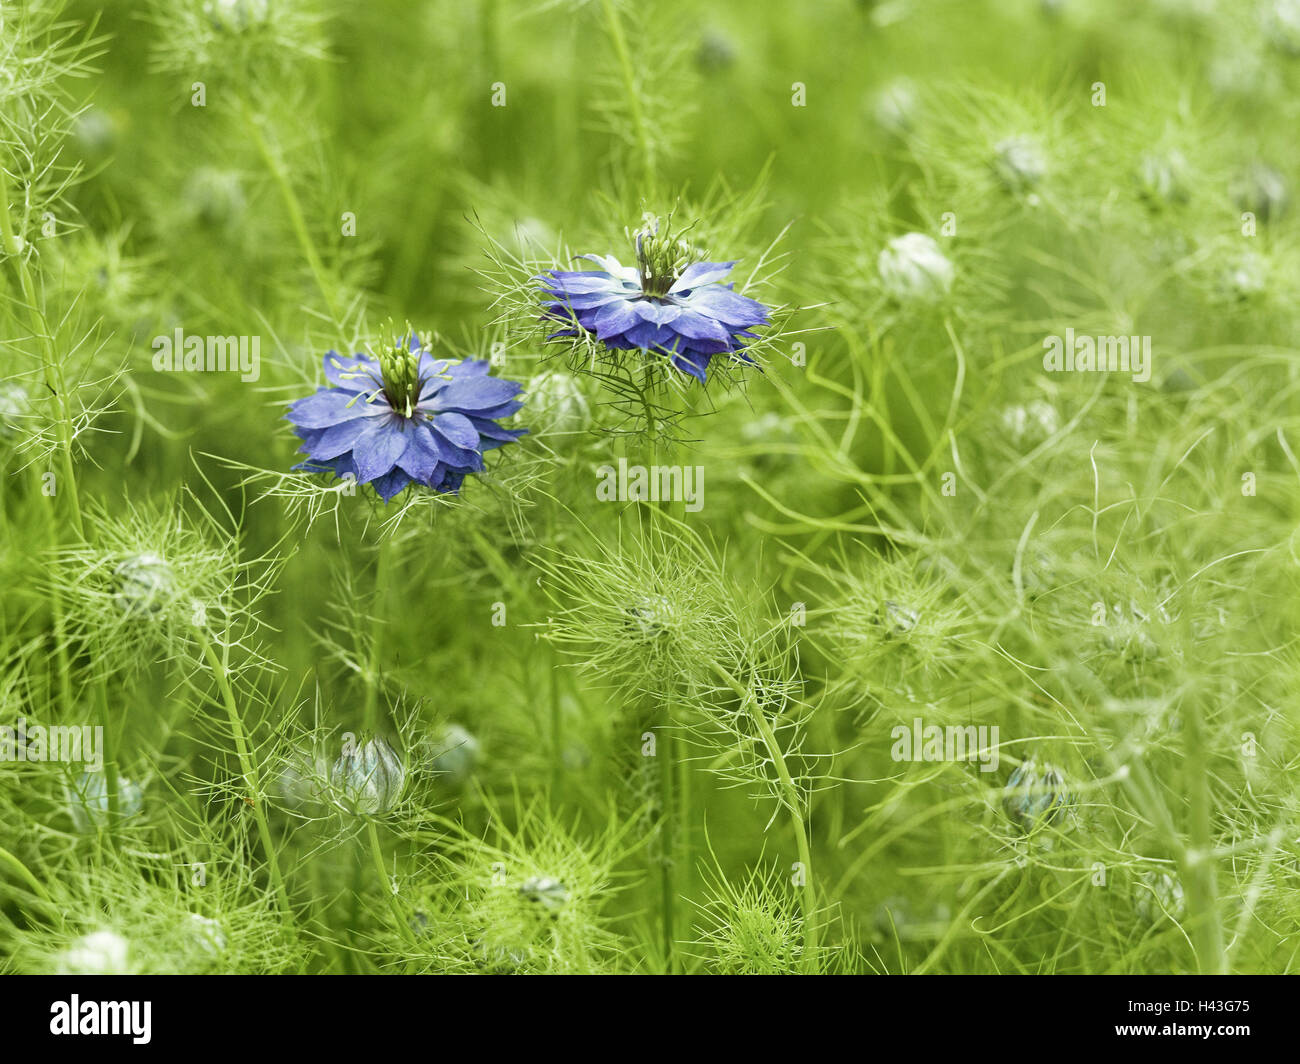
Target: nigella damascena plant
<point>1036,795</point>
<point>402,417</point>
<point>369,781</point>
<point>669,304</point>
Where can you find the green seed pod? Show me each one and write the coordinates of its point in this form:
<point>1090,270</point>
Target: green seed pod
<point>1036,795</point>
<point>88,800</point>
<point>649,617</point>
<point>144,585</point>
<point>897,618</point>
<point>453,756</point>
<point>549,893</point>
<point>98,953</point>
<point>557,405</point>
<point>914,270</point>
<point>370,781</point>
<point>1019,163</point>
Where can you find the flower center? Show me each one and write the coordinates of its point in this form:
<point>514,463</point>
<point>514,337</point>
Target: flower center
<point>400,368</point>
<point>660,258</point>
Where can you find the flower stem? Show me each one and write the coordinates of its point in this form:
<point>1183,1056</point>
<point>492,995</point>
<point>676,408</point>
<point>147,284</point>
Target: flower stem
<point>299,225</point>
<point>249,771</point>
<point>619,39</point>
<point>793,802</point>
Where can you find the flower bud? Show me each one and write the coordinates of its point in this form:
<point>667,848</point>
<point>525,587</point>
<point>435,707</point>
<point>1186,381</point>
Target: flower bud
<point>99,953</point>
<point>88,800</point>
<point>897,618</point>
<point>556,404</point>
<point>369,782</point>
<point>144,585</point>
<point>453,756</point>
<point>549,893</point>
<point>914,270</point>
<point>1036,794</point>
<point>715,51</point>
<point>303,780</point>
<point>1019,163</point>
<point>648,618</point>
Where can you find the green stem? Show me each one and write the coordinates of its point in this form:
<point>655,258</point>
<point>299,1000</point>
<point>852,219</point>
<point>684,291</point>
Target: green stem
<point>252,782</point>
<point>299,225</point>
<point>385,883</point>
<point>793,801</point>
<point>667,847</point>
<point>619,39</point>
<point>1198,858</point>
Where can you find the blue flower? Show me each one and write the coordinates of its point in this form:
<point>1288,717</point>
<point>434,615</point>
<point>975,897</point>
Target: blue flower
<point>404,417</point>
<point>666,304</point>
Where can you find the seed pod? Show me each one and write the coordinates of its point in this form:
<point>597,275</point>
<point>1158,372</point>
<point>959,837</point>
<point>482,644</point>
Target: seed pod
<point>88,800</point>
<point>1036,795</point>
<point>897,618</point>
<point>549,893</point>
<point>1019,163</point>
<point>99,953</point>
<point>649,617</point>
<point>453,756</point>
<point>913,269</point>
<point>144,584</point>
<point>303,781</point>
<point>369,782</point>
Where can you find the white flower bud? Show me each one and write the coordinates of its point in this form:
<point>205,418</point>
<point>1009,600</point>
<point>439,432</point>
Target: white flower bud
<point>1019,163</point>
<point>914,270</point>
<point>370,781</point>
<point>144,585</point>
<point>99,953</point>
